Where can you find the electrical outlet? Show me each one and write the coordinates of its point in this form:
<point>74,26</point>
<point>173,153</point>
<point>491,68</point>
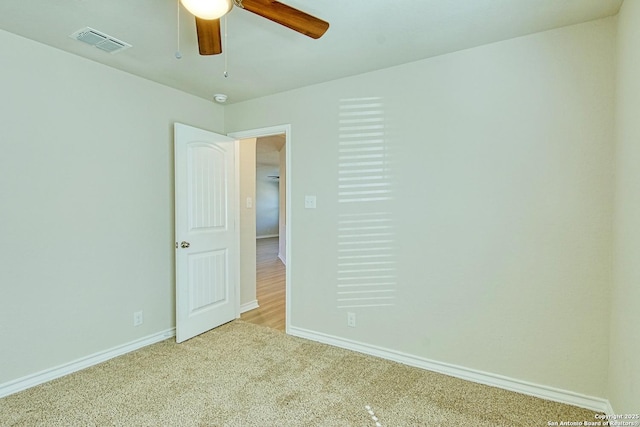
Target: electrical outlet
<point>137,318</point>
<point>351,319</point>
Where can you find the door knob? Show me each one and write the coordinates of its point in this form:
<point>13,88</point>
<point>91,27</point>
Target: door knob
<point>185,245</point>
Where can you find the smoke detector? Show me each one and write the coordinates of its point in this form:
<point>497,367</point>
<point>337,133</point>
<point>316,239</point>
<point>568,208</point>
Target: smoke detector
<point>220,98</point>
<point>100,40</point>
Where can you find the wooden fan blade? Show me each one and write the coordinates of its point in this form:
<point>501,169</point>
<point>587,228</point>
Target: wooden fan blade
<point>209,41</point>
<point>288,16</point>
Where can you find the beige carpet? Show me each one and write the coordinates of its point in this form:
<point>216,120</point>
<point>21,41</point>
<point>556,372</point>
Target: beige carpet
<point>247,375</point>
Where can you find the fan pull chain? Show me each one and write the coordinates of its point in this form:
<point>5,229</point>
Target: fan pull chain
<point>178,53</point>
<point>225,49</point>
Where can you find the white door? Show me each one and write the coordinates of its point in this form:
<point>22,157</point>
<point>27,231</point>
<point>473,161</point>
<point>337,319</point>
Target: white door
<point>206,239</point>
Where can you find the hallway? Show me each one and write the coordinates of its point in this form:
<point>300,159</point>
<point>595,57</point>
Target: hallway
<point>270,286</point>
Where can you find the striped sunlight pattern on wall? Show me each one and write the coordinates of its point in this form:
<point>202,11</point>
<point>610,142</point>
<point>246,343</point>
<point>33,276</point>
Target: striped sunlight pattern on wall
<point>366,237</point>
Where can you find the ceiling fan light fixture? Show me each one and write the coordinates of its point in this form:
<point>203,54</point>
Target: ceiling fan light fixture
<point>208,9</point>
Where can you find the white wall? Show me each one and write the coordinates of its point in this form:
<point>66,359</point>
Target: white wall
<point>624,364</point>
<point>267,188</point>
<point>86,205</point>
<point>247,172</point>
<point>267,196</point>
<point>499,162</point>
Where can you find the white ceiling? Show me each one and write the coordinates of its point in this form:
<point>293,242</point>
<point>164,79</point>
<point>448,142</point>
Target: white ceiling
<point>265,58</point>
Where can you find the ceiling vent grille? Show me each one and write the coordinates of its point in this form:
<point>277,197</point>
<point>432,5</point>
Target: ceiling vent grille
<point>100,40</point>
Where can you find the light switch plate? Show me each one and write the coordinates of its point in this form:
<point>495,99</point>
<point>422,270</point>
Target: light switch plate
<point>310,202</point>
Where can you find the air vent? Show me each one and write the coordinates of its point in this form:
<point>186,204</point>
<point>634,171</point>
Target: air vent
<point>100,40</point>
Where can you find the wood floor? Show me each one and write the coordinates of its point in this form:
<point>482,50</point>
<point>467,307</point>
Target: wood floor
<point>270,286</point>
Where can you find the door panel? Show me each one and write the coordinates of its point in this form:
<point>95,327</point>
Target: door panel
<point>209,281</point>
<point>208,194</point>
<point>206,239</point>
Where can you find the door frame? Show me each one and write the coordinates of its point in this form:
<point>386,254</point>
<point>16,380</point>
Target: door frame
<point>258,133</point>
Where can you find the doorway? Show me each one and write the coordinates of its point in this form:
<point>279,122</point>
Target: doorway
<point>265,238</point>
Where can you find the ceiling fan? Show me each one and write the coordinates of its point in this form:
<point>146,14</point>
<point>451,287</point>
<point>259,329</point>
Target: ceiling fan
<point>209,12</point>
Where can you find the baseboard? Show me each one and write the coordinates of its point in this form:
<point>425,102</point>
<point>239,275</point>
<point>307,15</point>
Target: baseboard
<point>41,377</point>
<point>249,306</point>
<point>609,409</point>
<point>281,258</point>
<point>544,392</point>
<point>268,236</point>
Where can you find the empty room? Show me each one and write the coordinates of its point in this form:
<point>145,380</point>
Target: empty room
<point>459,212</point>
